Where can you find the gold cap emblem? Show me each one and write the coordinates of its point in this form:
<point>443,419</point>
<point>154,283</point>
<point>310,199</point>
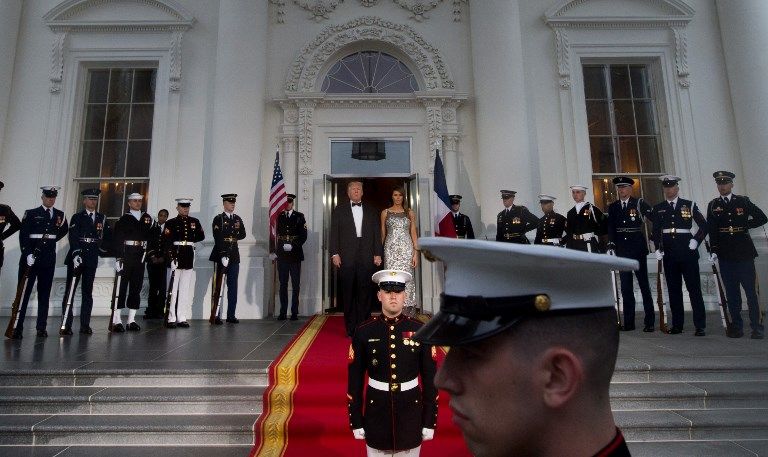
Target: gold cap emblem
<point>542,303</point>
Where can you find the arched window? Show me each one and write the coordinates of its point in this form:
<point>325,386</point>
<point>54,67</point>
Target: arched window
<point>369,72</point>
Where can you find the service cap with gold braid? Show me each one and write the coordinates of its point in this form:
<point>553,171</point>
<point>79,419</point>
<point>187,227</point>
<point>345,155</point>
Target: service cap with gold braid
<point>392,280</point>
<point>723,177</point>
<point>490,287</point>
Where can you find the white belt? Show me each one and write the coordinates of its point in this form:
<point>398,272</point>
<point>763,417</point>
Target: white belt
<point>551,240</point>
<point>44,236</point>
<point>584,236</point>
<point>676,230</point>
<point>135,243</point>
<point>393,386</point>
<point>88,240</point>
<point>183,243</point>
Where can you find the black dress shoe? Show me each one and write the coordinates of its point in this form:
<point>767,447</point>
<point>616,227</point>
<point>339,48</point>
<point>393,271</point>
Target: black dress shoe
<point>42,333</point>
<point>86,331</point>
<point>756,335</point>
<point>16,335</point>
<point>183,324</point>
<point>218,321</point>
<point>170,325</point>
<point>294,317</point>
<point>233,320</point>
<point>700,332</point>
<point>118,328</point>
<point>734,333</point>
<point>282,317</point>
<point>627,328</point>
<point>676,330</point>
<point>133,327</point>
<point>648,329</point>
<point>65,332</point>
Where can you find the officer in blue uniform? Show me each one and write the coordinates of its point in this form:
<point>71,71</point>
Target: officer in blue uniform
<point>678,246</point>
<point>87,231</point>
<point>399,409</point>
<point>9,224</point>
<point>228,229</point>
<point>41,228</point>
<point>461,222</point>
<point>156,268</point>
<point>288,250</point>
<point>513,222</point>
<point>552,225</point>
<point>626,220</point>
<point>585,223</point>
<point>730,217</point>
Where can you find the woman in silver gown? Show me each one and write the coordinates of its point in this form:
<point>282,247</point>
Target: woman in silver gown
<point>398,230</point>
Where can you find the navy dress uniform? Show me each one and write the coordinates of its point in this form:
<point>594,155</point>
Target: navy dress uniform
<point>626,220</point>
<point>513,222</point>
<point>551,226</point>
<point>399,408</point>
<point>585,224</point>
<point>156,270</point>
<point>87,231</point>
<point>461,222</point>
<point>228,229</point>
<point>677,245</point>
<point>180,235</point>
<point>291,235</point>
<point>730,217</point>
<point>9,224</point>
<point>41,228</point>
<point>131,235</point>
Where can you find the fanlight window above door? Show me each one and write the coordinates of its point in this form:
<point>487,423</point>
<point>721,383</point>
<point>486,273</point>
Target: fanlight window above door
<point>369,72</point>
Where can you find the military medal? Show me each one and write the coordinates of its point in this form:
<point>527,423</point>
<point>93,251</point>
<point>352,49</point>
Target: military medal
<point>739,211</point>
<point>516,220</point>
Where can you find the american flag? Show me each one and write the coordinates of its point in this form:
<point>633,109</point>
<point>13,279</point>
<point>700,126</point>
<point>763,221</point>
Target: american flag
<point>278,198</point>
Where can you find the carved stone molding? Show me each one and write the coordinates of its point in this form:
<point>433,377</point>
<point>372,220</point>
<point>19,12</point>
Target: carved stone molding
<point>434,120</point>
<point>303,74</point>
<point>562,49</point>
<point>322,9</point>
<point>57,61</point>
<point>681,56</point>
<point>418,8</point>
<point>306,112</point>
<point>175,61</point>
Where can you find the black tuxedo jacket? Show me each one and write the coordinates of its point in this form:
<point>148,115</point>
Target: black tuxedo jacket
<point>343,234</point>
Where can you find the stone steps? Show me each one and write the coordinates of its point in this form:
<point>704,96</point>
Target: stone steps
<point>689,395</point>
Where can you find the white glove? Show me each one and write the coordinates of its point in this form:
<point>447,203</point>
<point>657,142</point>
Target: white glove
<point>77,261</point>
<point>118,266</point>
<point>174,265</point>
<point>693,244</point>
<point>659,255</point>
<point>611,252</point>
<point>287,247</point>
<point>225,261</point>
<point>359,433</point>
<point>427,433</point>
<point>272,256</point>
<point>713,257</point>
<point>30,260</point>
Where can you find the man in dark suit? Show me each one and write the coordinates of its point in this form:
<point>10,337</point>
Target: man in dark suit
<point>461,222</point>
<point>626,218</point>
<point>730,217</point>
<point>7,218</point>
<point>291,235</point>
<point>228,229</point>
<point>356,250</point>
<point>156,268</point>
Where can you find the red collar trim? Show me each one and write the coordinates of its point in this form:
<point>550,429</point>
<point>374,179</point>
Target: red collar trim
<point>617,442</point>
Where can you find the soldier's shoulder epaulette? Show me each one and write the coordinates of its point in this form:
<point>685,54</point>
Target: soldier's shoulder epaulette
<point>4,206</point>
<point>414,321</point>
<point>371,320</point>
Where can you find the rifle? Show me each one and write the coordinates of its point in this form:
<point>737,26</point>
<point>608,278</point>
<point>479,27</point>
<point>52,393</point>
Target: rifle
<point>169,297</point>
<point>20,288</point>
<point>216,299</point>
<point>69,299</point>
<point>115,298</point>
<point>724,316</point>
<point>615,285</point>
<point>660,298</point>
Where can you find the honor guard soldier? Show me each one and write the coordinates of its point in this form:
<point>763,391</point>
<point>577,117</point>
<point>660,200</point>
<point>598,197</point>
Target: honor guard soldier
<point>678,247</point>
<point>513,222</point>
<point>156,268</point>
<point>131,236</point>
<point>399,409</point>
<point>180,235</point>
<point>87,231</point>
<point>552,225</point>
<point>228,229</point>
<point>9,224</point>
<point>531,329</point>
<point>626,220</point>
<point>585,223</point>
<point>41,228</point>
<point>730,217</point>
<point>461,222</point>
<point>289,253</point>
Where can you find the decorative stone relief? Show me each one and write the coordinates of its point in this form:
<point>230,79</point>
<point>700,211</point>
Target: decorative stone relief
<point>457,9</point>
<point>562,50</point>
<point>681,56</point>
<point>280,13</point>
<point>306,112</point>
<point>418,8</point>
<point>434,126</point>
<point>369,3</point>
<point>175,61</point>
<point>57,61</point>
<point>320,9</point>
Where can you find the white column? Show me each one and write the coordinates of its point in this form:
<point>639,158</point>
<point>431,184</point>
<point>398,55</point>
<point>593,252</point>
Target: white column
<point>744,31</point>
<point>10,16</point>
<point>290,167</point>
<point>450,149</point>
<point>504,155</point>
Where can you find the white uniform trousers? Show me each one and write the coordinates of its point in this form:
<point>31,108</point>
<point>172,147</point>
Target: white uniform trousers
<point>183,291</point>
<point>407,453</point>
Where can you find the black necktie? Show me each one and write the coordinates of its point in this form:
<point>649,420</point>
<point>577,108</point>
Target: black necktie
<point>624,205</point>
<point>360,204</point>
<point>92,216</point>
<point>725,199</point>
<point>50,213</point>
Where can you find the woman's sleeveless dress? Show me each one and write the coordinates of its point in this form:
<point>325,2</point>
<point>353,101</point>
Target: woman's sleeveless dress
<point>398,250</point>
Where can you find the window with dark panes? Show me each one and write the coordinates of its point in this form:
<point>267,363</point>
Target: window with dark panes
<point>369,72</point>
<point>117,135</point>
<point>623,127</point>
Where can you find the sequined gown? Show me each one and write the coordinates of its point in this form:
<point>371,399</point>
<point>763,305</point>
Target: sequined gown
<point>398,249</point>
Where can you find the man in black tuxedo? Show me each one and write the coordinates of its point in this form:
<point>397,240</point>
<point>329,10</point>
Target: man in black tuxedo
<point>356,252</point>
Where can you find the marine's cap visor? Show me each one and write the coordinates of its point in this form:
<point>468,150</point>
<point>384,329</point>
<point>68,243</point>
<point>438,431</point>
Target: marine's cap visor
<point>448,329</point>
<point>392,286</point>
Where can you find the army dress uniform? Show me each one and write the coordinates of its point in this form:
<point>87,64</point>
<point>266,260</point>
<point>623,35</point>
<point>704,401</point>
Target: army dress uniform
<point>86,234</point>
<point>156,267</point>
<point>730,217</point>
<point>626,219</point>
<point>41,228</point>
<point>461,222</point>
<point>292,234</point>
<point>9,224</point>
<point>180,235</point>
<point>585,224</point>
<point>514,222</point>
<point>673,236</point>
<point>551,226</point>
<point>228,229</point>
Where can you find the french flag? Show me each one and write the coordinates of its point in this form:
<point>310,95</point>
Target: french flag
<point>443,218</point>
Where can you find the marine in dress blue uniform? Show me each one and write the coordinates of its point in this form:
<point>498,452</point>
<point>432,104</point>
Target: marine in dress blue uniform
<point>585,223</point>
<point>677,245</point>
<point>626,221</point>
<point>41,228</point>
<point>551,226</point>
<point>399,409</point>
<point>288,251</point>
<point>228,229</point>
<point>730,217</point>
<point>461,222</point>
<point>87,231</point>
<point>513,222</point>
<point>9,224</point>
<point>179,238</point>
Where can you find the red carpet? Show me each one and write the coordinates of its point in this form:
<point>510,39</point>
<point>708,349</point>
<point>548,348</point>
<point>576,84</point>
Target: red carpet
<point>305,406</point>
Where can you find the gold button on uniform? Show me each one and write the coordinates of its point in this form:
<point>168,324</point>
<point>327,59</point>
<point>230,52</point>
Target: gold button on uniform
<point>394,376</point>
<point>393,366</point>
<point>392,346</point>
